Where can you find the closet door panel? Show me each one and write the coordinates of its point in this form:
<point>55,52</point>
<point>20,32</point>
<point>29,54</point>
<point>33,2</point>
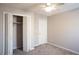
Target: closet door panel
<point>8,34</point>
<point>40,30</point>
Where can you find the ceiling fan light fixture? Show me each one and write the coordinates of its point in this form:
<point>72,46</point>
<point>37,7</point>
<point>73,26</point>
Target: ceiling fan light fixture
<point>48,4</point>
<point>49,9</point>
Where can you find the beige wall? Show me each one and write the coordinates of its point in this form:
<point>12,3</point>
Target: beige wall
<point>63,29</point>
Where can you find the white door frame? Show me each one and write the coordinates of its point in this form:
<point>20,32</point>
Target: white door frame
<point>24,15</point>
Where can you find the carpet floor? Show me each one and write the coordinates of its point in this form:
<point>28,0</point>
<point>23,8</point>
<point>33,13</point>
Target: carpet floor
<point>44,49</point>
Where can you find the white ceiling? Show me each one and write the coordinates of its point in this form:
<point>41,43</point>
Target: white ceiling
<point>36,8</point>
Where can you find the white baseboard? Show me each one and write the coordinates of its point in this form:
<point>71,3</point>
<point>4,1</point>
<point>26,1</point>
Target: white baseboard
<point>63,48</point>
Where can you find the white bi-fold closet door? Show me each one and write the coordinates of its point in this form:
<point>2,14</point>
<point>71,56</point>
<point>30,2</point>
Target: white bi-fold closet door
<point>40,30</point>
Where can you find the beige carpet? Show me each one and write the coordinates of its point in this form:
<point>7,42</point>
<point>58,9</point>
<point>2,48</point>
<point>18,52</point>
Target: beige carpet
<point>44,49</point>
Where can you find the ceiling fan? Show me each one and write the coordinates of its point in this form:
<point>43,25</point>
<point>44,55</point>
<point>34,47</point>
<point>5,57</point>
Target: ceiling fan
<point>50,6</point>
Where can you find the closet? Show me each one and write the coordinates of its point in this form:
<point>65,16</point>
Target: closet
<point>17,32</point>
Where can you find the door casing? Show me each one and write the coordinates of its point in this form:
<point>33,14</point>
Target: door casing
<point>25,42</point>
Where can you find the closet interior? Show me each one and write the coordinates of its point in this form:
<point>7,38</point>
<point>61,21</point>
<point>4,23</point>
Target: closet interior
<point>17,32</point>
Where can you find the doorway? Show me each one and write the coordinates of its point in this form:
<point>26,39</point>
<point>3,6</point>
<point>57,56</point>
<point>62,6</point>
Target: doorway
<point>15,29</point>
<point>17,32</point>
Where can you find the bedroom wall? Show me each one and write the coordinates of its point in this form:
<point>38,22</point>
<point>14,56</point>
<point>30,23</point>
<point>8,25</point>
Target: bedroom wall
<point>63,29</point>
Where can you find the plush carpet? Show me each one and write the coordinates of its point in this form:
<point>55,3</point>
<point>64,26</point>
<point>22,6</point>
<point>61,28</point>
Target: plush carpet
<point>44,49</point>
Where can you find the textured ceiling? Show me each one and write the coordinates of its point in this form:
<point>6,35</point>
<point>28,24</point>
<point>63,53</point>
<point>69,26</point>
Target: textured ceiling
<point>35,7</point>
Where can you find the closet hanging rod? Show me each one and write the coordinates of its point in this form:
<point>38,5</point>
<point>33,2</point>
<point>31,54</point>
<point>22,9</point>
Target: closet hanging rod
<point>17,22</point>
